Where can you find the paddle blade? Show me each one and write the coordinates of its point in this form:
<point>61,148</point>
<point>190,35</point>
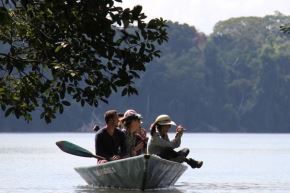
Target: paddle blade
<point>74,149</point>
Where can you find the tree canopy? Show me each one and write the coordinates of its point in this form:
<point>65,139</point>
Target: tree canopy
<point>58,51</point>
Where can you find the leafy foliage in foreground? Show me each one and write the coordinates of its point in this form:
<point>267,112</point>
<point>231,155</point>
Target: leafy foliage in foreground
<point>59,50</point>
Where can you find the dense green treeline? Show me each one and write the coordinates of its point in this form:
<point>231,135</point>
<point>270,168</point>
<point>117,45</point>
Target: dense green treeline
<point>248,73</point>
<point>237,79</point>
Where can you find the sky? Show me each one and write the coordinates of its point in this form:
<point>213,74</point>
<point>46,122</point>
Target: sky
<point>204,14</point>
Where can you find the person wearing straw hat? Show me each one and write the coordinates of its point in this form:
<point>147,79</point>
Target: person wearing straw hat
<point>159,143</point>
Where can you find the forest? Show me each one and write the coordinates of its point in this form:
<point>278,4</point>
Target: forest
<point>236,79</point>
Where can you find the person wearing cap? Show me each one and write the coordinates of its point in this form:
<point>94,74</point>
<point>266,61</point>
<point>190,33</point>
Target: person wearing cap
<point>159,143</point>
<point>110,141</point>
<point>135,139</point>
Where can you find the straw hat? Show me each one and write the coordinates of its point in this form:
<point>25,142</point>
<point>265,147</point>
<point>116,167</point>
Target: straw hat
<point>164,120</point>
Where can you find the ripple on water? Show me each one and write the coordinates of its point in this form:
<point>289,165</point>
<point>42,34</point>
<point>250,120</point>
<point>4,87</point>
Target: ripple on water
<point>219,187</point>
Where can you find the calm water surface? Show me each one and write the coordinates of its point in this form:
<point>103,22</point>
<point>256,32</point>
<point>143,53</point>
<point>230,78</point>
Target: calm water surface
<point>240,163</point>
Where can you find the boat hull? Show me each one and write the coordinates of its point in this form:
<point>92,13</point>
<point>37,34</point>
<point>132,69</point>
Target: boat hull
<point>140,172</point>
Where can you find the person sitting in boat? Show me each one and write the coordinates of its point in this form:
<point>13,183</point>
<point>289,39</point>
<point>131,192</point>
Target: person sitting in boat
<point>159,143</point>
<point>120,117</point>
<point>135,135</point>
<point>141,141</point>
<point>110,141</point>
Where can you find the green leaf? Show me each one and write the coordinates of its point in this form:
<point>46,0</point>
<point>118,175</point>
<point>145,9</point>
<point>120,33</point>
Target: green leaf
<point>136,11</point>
<point>126,17</point>
<point>66,103</point>
<point>2,91</point>
<point>9,111</point>
<point>60,109</point>
<point>47,119</point>
<point>132,90</point>
<point>42,115</point>
<point>58,48</point>
<point>124,92</point>
<point>104,100</point>
<point>3,107</point>
<point>50,13</point>
<point>135,74</point>
<point>120,82</point>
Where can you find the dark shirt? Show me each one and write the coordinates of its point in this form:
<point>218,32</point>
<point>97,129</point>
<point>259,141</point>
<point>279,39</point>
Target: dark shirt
<point>108,146</point>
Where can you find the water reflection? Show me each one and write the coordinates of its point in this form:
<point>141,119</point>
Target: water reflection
<point>91,189</point>
<point>196,188</point>
<point>234,186</point>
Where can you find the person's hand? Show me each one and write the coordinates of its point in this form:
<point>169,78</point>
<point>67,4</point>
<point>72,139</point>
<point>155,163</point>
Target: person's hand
<point>179,129</point>
<point>139,147</point>
<point>115,157</point>
<point>134,153</point>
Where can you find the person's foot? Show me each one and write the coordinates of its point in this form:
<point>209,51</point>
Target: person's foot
<point>199,164</point>
<point>194,164</point>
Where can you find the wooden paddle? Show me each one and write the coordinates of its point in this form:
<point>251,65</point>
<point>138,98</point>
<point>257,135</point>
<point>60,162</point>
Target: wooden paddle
<point>73,149</point>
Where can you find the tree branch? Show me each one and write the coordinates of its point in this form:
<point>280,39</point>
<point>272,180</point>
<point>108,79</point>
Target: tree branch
<point>18,59</point>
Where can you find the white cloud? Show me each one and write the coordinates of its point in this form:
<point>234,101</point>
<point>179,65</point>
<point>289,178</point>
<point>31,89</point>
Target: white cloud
<point>204,14</point>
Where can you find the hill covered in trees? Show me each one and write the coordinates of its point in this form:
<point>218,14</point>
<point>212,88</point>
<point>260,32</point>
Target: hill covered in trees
<point>237,79</point>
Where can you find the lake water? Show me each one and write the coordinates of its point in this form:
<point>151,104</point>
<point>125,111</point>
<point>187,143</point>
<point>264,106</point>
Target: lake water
<point>239,163</point>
